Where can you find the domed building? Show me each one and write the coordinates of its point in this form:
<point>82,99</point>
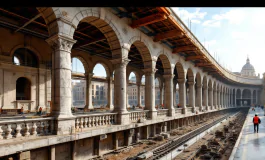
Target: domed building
<point>248,70</point>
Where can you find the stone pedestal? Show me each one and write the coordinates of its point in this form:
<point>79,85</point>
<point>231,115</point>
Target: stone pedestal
<point>64,126</point>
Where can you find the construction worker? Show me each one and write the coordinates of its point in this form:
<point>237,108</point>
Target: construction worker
<point>256,121</point>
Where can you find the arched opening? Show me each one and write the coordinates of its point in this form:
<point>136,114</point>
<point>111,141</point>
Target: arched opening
<point>180,88</point>
<point>99,87</point>
<point>255,97</point>
<point>205,92</point>
<point>143,91</point>
<point>198,84</point>
<point>79,85</point>
<point>25,57</point>
<point>23,89</point>
<point>157,93</point>
<point>132,90</point>
<point>238,97</point>
<point>246,97</point>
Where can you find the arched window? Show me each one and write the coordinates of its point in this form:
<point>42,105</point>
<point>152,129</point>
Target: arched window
<point>23,89</point>
<point>25,57</point>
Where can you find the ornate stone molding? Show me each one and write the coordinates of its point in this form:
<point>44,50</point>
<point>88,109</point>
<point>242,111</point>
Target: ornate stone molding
<point>169,76</point>
<point>149,71</point>
<point>59,42</point>
<point>120,61</point>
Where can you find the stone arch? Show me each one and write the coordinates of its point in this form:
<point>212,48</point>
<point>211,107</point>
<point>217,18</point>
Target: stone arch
<point>166,63</point>
<point>214,85</point>
<point>84,62</point>
<point>104,65</point>
<point>180,70</point>
<point>142,47</point>
<point>50,14</point>
<point>198,78</point>
<point>205,81</point>
<point>31,48</point>
<point>137,76</point>
<point>190,75</point>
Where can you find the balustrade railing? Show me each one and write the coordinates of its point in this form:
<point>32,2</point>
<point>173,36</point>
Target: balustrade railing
<point>178,110</point>
<point>162,112</point>
<point>189,109</point>
<point>26,127</point>
<point>94,120</point>
<point>136,115</point>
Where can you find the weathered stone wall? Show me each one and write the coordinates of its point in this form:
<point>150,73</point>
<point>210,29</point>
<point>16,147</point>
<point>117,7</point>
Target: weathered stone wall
<point>63,151</point>
<point>40,154</point>
<point>84,148</point>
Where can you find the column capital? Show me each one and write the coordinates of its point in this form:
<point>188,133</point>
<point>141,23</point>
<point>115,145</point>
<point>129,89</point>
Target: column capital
<point>191,82</point>
<point>149,71</point>
<point>168,76</point>
<point>181,80</point>
<point>199,85</point>
<point>120,61</point>
<point>59,42</point>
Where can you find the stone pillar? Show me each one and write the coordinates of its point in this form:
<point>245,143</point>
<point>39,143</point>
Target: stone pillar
<point>52,152</point>
<point>241,95</point>
<point>174,94</point>
<point>192,95</point>
<point>150,92</point>
<point>235,99</point>
<point>214,98</point>
<point>61,83</point>
<point>110,89</point>
<point>257,102</point>
<point>169,94</point>
<point>139,94</point>
<point>199,96</point>
<point>120,90</point>
<point>211,97</point>
<point>182,94</point>
<point>205,89</point>
<point>161,93</point>
<point>251,97</point>
<point>41,88</point>
<point>89,104</point>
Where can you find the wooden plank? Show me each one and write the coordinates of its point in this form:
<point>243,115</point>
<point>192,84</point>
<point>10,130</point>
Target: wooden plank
<point>194,58</point>
<point>164,10</point>
<point>184,48</point>
<point>88,42</point>
<point>203,64</point>
<point>148,20</point>
<point>167,35</point>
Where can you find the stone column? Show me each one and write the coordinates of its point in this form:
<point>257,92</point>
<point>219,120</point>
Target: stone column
<point>251,97</point>
<point>241,96</point>
<point>211,97</point>
<point>41,88</point>
<point>235,99</point>
<point>120,86</point>
<point>192,95</point>
<point>139,94</point>
<point>150,92</point>
<point>182,94</point>
<point>89,104</point>
<point>257,102</point>
<point>61,83</point>
<point>221,99</point>
<point>199,96</point>
<point>110,96</point>
<point>174,93</point>
<point>169,93</point>
<point>214,98</point>
<point>161,93</point>
<point>218,98</point>
<point>205,89</point>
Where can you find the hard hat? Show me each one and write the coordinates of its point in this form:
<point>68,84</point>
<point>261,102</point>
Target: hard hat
<point>256,114</point>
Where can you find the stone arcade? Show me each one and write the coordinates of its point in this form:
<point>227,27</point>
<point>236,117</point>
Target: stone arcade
<point>35,69</point>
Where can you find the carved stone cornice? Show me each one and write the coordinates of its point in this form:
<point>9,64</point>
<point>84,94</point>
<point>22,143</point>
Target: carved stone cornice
<point>59,42</point>
<point>122,62</point>
<point>149,71</point>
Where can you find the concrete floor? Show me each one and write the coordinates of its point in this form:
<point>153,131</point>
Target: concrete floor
<point>252,145</point>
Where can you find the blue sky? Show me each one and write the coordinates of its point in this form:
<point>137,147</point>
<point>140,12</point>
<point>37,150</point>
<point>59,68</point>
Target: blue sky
<point>229,34</point>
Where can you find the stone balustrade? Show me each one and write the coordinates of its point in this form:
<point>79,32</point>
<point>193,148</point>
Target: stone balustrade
<point>178,110</point>
<point>162,112</point>
<point>136,115</point>
<point>189,110</point>
<point>94,120</point>
<point>26,127</point>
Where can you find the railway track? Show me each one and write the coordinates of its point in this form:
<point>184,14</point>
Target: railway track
<point>169,146</point>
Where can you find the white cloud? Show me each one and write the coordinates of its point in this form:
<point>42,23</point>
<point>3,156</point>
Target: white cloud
<point>238,35</point>
<point>235,16</point>
<point>195,21</point>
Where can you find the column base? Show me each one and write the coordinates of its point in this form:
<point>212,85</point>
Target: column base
<point>171,112</point>
<point>152,114</point>
<point>184,110</point>
<point>87,108</point>
<point>64,126</point>
<point>123,118</point>
<point>111,107</point>
<point>193,109</point>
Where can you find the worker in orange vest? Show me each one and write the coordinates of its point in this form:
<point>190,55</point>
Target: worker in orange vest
<point>256,121</point>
